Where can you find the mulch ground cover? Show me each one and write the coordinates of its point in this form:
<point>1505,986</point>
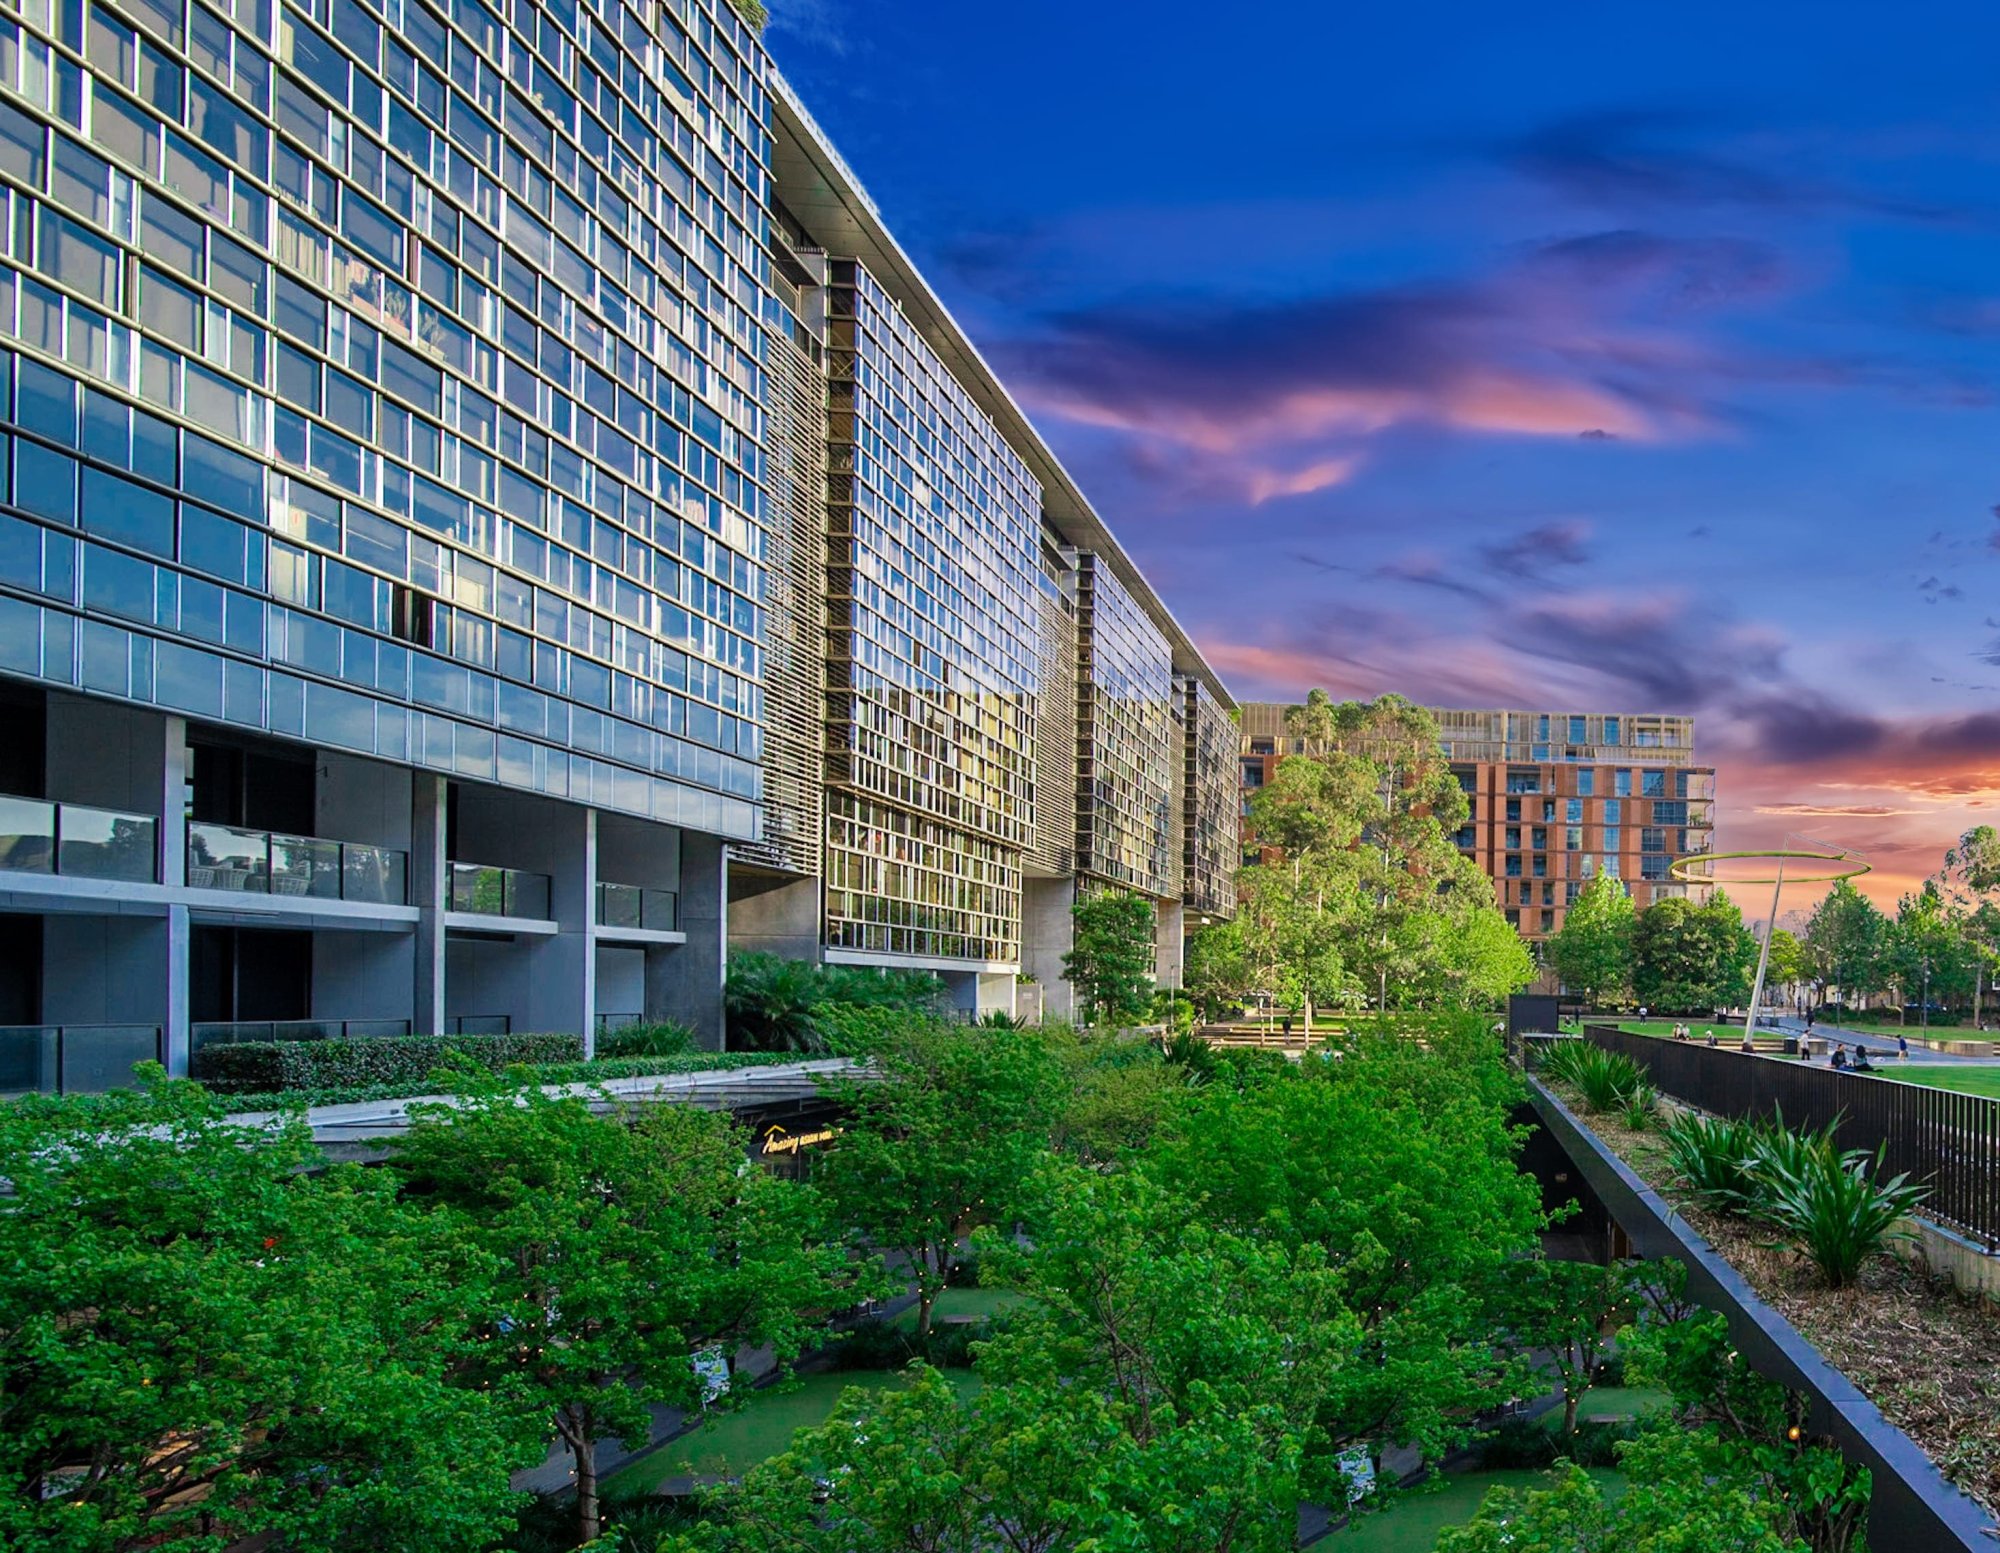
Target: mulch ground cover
<point>1925,1354</point>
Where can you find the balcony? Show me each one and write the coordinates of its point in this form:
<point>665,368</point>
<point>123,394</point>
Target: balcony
<point>632,906</point>
<point>233,1032</point>
<point>71,841</point>
<point>72,1059</point>
<point>258,862</point>
<point>480,889</point>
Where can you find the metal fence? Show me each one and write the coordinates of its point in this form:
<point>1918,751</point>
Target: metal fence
<point>1948,1140</point>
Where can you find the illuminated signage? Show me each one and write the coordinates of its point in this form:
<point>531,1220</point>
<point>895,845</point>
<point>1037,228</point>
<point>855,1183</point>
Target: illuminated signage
<point>777,1140</point>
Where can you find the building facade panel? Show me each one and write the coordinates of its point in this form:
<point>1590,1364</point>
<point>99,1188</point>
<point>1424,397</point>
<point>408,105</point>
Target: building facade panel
<point>1129,797</point>
<point>1211,846</point>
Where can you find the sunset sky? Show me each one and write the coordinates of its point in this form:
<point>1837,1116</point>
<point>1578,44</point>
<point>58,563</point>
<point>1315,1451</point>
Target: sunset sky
<point>1615,358</point>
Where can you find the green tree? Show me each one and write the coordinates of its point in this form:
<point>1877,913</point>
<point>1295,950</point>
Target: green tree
<point>942,1129</point>
<point>1397,1165</point>
<point>1111,965</point>
<point>1928,951</point>
<point>1846,938</point>
<point>1370,896</point>
<point>1790,965</point>
<point>625,1244</point>
<point>207,1336</point>
<point>1217,972</point>
<point>1592,952</point>
<point>1690,957</point>
<point>1562,1311</point>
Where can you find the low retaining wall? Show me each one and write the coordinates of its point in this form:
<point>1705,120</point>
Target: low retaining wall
<point>1913,1506</point>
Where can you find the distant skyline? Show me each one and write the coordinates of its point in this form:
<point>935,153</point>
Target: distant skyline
<point>1568,356</point>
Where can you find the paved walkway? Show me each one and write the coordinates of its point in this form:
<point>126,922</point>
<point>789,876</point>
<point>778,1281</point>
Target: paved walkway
<point>1880,1043</point>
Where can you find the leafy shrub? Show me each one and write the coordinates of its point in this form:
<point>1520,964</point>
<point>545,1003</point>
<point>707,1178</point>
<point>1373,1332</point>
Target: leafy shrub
<point>1833,1209</point>
<point>665,1039</point>
<point>269,1066</point>
<point>1604,1078</point>
<point>1779,1151</point>
<point>1531,1443</point>
<point>1714,1159</point>
<point>783,1005</point>
<point>1641,1106</point>
<point>1560,1060</point>
<point>1174,1009</point>
<point>878,1345</point>
<point>1192,1054</point>
<point>998,1019</point>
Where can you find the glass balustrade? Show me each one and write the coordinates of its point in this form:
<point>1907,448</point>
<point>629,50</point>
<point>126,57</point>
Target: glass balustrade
<point>485,890</point>
<point>77,842</point>
<point>234,1032</point>
<point>633,906</point>
<point>73,1059</point>
<point>224,857</point>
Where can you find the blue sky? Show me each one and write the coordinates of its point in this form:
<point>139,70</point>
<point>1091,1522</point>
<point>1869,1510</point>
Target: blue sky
<point>1622,357</point>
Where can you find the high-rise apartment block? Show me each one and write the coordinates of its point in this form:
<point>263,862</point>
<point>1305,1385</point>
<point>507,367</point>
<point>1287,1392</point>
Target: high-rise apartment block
<point>486,503</point>
<point>1557,798</point>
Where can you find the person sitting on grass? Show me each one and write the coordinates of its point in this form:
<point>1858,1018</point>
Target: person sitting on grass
<point>1839,1058</point>
<point>1861,1064</point>
<point>1711,1038</point>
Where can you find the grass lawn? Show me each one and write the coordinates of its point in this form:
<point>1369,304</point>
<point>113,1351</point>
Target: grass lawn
<point>975,1303</point>
<point>1612,1402</point>
<point>1412,1523</point>
<point>1966,1080</point>
<point>732,1443</point>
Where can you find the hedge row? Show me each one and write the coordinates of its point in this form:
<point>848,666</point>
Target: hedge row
<point>268,1066</point>
<point>546,1073</point>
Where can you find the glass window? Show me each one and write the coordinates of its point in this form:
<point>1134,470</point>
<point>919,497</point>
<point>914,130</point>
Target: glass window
<point>117,583</point>
<point>46,402</point>
<point>1611,731</point>
<point>1577,732</point>
<point>1613,811</point>
<point>1573,838</point>
<point>1652,839</point>
<point>1573,811</point>
<point>1623,784</point>
<point>1652,784</point>
<point>117,509</point>
<point>1586,782</point>
<point>227,479</point>
<point>1614,840</point>
<point>44,482</point>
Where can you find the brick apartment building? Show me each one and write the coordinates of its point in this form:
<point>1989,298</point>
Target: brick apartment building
<point>1557,798</point>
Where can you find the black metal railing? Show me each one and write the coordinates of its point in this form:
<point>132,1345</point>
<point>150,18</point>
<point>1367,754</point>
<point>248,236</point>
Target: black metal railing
<point>262,862</point>
<point>77,842</point>
<point>489,891</point>
<point>478,1024</point>
<point>73,1059</point>
<point>233,1032</point>
<point>630,905</point>
<point>1947,1140</point>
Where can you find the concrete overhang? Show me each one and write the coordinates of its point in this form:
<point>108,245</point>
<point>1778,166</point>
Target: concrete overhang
<point>817,185</point>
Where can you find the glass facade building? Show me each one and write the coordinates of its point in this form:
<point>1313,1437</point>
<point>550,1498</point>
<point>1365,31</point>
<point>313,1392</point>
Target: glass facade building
<point>423,412</point>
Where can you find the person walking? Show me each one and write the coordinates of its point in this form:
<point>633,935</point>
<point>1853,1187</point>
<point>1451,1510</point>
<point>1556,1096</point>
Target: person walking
<point>1902,1048</point>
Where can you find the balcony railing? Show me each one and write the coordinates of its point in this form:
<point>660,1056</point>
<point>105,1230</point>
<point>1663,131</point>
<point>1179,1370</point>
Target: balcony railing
<point>233,1032</point>
<point>631,905</point>
<point>73,1059</point>
<point>260,862</point>
<point>75,842</point>
<point>479,1024</point>
<point>488,891</point>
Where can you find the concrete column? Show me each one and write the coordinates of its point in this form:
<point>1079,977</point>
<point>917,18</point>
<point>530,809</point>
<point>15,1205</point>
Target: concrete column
<point>427,893</point>
<point>1169,944</point>
<point>178,1029</point>
<point>576,889</point>
<point>995,993</point>
<point>1048,932</point>
<point>685,982</point>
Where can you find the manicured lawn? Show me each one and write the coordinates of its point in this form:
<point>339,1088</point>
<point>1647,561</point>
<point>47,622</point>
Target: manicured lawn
<point>731,1443</point>
<point>1412,1523</point>
<point>976,1304</point>
<point>1619,1402</point>
<point>1966,1080</point>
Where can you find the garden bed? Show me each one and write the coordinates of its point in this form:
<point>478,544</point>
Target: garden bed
<point>1926,1355</point>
